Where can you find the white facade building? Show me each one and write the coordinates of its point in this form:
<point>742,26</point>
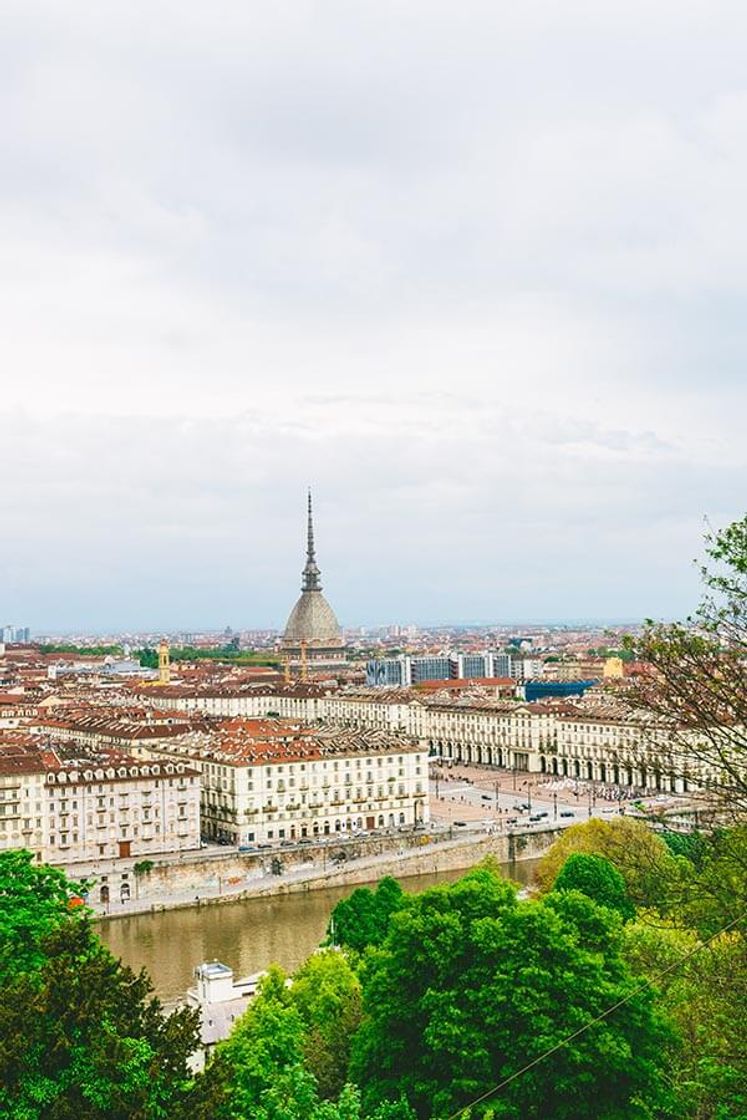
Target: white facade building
<point>265,781</point>
<point>564,739</point>
<point>68,808</point>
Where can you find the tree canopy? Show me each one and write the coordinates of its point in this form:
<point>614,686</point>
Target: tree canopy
<point>706,997</point>
<point>595,877</point>
<point>470,984</point>
<point>362,919</point>
<point>34,901</point>
<point>80,1036</point>
<point>648,867</point>
<point>264,1070</point>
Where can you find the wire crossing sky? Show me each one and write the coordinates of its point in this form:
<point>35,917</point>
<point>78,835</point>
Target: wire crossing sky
<point>475,272</point>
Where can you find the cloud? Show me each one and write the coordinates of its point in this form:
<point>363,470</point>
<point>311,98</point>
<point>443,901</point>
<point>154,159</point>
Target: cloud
<point>475,271</point>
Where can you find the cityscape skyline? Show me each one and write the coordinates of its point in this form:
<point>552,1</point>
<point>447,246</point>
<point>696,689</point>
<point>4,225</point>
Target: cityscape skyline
<point>236,616</point>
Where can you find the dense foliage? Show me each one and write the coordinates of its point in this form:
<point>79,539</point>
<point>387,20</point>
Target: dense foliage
<point>432,1004</point>
<point>266,1069</point>
<point>647,865</point>
<point>80,1036</point>
<point>595,877</point>
<point>471,984</point>
<point>148,657</point>
<point>706,999</point>
<point>362,919</point>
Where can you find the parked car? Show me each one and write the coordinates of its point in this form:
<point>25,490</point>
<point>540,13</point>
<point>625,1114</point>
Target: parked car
<point>567,813</point>
<point>460,824</point>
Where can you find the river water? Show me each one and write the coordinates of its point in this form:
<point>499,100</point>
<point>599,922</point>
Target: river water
<point>247,934</point>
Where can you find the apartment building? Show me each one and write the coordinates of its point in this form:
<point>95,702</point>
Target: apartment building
<point>69,805</point>
<point>269,780</point>
<point>590,739</point>
<point>107,729</point>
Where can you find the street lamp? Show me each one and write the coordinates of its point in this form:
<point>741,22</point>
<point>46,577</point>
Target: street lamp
<point>555,806</point>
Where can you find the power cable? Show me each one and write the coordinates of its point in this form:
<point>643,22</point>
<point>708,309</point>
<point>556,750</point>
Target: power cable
<point>592,1022</point>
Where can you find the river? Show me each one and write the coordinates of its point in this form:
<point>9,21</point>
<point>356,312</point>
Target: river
<point>247,935</point>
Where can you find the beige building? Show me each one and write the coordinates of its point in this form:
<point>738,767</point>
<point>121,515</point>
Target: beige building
<point>71,806</point>
<point>267,780</point>
<point>594,739</point>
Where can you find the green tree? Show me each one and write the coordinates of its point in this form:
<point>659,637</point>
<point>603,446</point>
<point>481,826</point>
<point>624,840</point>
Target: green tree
<point>362,919</point>
<point>327,994</point>
<point>81,1039</point>
<point>260,1068</point>
<point>34,901</point>
<point>706,995</point>
<point>714,895</point>
<point>650,871</point>
<point>470,985</point>
<point>696,683</point>
<point>693,846</point>
<point>595,877</point>
<point>260,1071</point>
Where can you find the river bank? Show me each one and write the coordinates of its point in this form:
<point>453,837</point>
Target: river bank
<point>199,884</point>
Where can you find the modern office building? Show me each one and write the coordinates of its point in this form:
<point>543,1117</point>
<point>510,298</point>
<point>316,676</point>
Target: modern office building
<point>15,635</point>
<point>403,671</point>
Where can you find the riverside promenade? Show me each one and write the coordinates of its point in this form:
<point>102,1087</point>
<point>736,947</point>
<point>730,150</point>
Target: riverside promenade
<point>217,878</point>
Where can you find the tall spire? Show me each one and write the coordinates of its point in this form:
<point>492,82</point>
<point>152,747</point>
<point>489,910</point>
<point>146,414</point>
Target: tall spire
<point>311,573</point>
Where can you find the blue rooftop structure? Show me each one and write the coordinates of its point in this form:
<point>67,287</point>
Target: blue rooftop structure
<point>538,690</point>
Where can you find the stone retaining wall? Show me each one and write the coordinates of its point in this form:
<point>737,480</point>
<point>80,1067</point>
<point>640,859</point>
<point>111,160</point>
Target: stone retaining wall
<point>441,857</point>
<point>195,881</point>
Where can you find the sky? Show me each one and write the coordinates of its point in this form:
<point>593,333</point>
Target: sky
<point>476,272</point>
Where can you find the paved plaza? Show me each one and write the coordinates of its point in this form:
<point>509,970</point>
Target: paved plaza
<point>485,796</point>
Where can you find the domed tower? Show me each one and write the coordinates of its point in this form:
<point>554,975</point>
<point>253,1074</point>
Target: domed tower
<point>312,632</point>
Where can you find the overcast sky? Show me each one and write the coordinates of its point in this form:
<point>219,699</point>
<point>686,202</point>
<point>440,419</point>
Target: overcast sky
<point>476,271</point>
